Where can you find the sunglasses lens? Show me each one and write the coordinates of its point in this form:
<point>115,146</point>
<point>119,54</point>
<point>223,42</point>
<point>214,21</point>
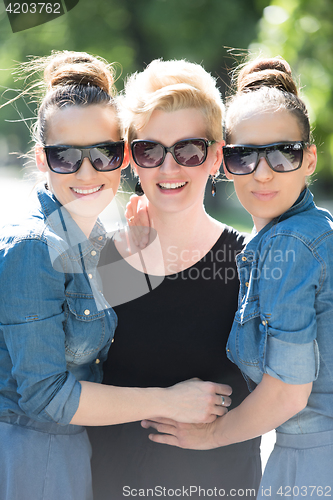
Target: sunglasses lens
<point>285,157</point>
<point>190,153</point>
<point>64,160</point>
<point>240,161</point>
<point>108,157</point>
<point>147,154</point>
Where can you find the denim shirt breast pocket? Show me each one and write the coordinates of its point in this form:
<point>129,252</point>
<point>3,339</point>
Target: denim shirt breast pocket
<point>89,331</point>
<point>245,332</point>
<point>247,339</point>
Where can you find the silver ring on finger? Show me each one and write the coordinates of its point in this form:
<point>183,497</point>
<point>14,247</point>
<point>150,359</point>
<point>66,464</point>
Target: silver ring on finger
<point>223,400</point>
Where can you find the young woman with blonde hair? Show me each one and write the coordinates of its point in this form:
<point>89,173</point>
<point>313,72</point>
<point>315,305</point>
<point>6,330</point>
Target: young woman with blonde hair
<point>172,114</point>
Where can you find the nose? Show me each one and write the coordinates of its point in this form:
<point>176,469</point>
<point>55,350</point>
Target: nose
<point>263,172</point>
<point>169,165</point>
<point>86,171</point>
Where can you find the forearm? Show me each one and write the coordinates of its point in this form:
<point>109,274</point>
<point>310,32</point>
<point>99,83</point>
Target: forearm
<point>190,401</point>
<point>271,404</point>
<point>108,405</point>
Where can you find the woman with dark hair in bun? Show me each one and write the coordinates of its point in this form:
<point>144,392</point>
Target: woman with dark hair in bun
<point>55,324</point>
<point>281,337</point>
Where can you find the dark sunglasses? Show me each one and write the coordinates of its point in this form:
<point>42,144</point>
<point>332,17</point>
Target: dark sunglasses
<point>188,153</point>
<point>281,157</point>
<point>104,157</point>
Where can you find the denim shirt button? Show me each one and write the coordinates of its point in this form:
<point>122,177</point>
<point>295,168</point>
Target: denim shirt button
<point>247,283</point>
<point>97,361</point>
<point>100,238</point>
<point>93,253</point>
<point>90,275</point>
<point>244,259</point>
<point>87,312</point>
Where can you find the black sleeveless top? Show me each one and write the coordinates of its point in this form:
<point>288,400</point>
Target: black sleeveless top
<point>175,332</point>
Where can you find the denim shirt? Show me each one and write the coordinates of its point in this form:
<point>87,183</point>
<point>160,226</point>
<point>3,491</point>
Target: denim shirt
<point>283,325</point>
<point>55,326</point>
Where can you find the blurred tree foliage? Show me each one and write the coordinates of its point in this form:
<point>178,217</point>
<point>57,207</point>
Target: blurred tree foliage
<point>301,31</point>
<point>132,33</point>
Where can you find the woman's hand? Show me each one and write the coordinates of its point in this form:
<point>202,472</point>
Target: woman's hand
<point>271,404</point>
<point>196,401</point>
<point>137,217</point>
<point>191,436</point>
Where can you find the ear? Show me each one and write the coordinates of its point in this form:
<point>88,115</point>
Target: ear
<point>311,156</point>
<point>40,158</point>
<point>218,158</point>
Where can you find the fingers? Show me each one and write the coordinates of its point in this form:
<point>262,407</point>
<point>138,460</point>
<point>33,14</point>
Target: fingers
<point>167,431</point>
<point>220,411</point>
<point>197,401</point>
<point>223,389</point>
<point>137,217</point>
<point>162,428</point>
<point>193,436</point>
<point>160,420</point>
<point>137,211</point>
<point>131,207</point>
<point>164,439</point>
<point>224,401</point>
<point>139,234</point>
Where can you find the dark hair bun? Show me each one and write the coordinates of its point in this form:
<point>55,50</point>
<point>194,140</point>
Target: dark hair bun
<point>78,68</point>
<point>272,72</point>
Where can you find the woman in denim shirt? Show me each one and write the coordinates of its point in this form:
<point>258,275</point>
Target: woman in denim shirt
<point>281,337</point>
<point>55,325</point>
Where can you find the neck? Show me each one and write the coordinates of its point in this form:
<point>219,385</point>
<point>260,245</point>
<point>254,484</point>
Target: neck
<point>85,224</point>
<point>260,223</point>
<point>182,227</point>
<point>185,237</point>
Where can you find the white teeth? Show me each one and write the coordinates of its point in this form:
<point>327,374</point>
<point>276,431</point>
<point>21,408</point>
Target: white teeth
<point>171,185</point>
<point>86,191</point>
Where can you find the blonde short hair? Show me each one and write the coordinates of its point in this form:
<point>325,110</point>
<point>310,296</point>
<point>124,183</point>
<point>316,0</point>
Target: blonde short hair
<point>170,86</point>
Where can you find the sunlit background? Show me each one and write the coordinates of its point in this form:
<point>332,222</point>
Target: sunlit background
<point>216,33</point>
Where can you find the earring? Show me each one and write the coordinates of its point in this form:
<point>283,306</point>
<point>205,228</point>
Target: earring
<point>213,186</point>
<point>138,189</point>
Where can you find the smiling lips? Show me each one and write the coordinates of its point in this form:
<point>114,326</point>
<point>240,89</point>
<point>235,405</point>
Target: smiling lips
<point>86,191</point>
<point>171,185</point>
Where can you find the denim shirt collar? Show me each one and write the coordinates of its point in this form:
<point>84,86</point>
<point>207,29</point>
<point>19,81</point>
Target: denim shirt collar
<point>61,222</point>
<point>303,202</point>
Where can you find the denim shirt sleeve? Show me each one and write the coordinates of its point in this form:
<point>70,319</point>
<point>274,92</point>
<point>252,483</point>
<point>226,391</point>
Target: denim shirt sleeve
<point>31,319</point>
<point>290,277</point>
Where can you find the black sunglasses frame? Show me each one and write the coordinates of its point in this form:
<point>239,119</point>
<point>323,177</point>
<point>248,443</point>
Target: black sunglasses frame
<point>85,153</point>
<point>171,150</point>
<point>262,153</point>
